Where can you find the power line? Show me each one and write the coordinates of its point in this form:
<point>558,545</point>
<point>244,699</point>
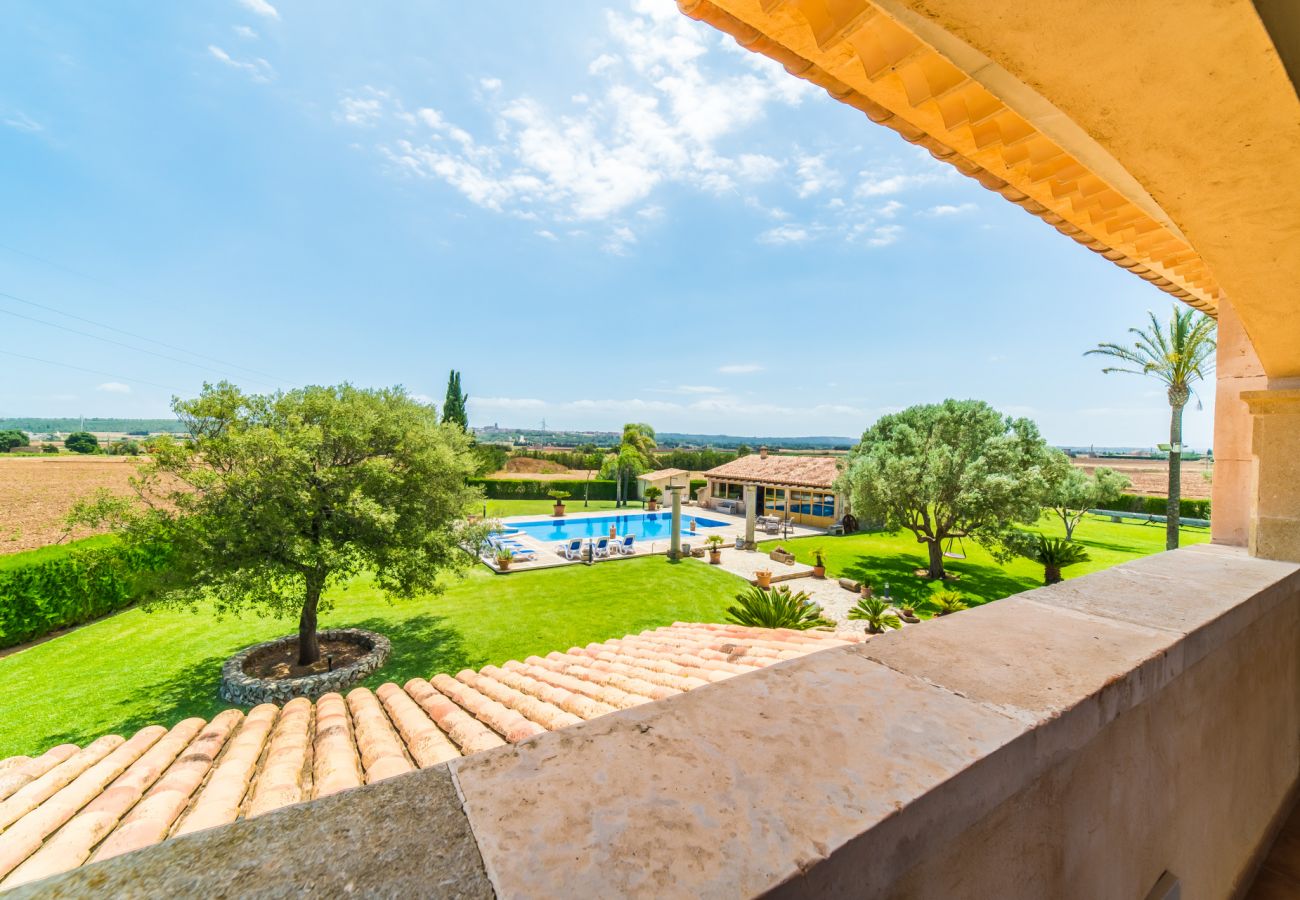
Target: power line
<point>97,337</point>
<point>91,371</point>
<point>139,337</point>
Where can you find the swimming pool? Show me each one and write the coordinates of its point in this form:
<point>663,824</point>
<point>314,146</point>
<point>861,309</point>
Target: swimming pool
<point>645,525</point>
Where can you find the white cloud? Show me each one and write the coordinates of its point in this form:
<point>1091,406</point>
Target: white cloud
<point>756,167</point>
<point>549,235</point>
<point>815,176</point>
<point>948,209</point>
<point>884,235</point>
<point>740,368</point>
<point>114,387</point>
<point>890,209</point>
<point>490,84</point>
<point>259,69</point>
<point>245,32</point>
<point>365,111</point>
<point>656,114</point>
<point>261,8</point>
<point>21,122</point>
<point>784,234</point>
<point>874,186</point>
<point>694,389</point>
<point>619,240</point>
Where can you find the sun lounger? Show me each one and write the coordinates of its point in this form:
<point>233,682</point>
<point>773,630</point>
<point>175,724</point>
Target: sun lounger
<point>624,545</point>
<point>600,548</point>
<point>570,549</point>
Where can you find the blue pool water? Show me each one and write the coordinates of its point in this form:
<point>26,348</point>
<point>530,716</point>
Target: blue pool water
<point>646,526</point>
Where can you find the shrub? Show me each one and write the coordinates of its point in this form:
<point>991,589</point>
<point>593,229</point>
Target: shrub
<point>532,489</point>
<point>559,496</point>
<point>81,442</point>
<point>777,608</point>
<point>12,440</point>
<point>654,492</point>
<point>1054,554</point>
<point>49,448</point>
<point>124,448</point>
<point>1155,506</point>
<point>876,613</point>
<point>69,589</point>
<point>947,601</point>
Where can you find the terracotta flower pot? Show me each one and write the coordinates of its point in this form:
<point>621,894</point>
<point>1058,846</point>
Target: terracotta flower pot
<point>715,557</point>
<point>652,505</point>
<point>819,572</point>
<point>764,579</point>
<point>559,509</point>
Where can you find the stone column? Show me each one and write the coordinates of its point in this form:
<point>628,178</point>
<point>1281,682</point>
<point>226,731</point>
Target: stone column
<point>1275,443</point>
<point>675,546</point>
<point>1238,370</point>
<point>751,511</point>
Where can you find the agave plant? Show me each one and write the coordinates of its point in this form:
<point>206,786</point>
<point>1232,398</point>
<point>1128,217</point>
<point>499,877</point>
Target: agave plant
<point>876,613</point>
<point>1055,554</point>
<point>777,608</point>
<point>947,602</point>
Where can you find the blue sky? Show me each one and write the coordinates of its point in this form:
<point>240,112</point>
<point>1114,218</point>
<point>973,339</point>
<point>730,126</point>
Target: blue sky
<point>598,212</point>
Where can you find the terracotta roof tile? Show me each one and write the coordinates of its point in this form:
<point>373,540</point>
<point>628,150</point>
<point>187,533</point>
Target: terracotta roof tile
<point>69,805</point>
<point>800,471</point>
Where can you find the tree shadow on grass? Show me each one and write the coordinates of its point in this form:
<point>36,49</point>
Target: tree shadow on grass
<point>189,691</point>
<point>978,583</point>
<point>422,647</point>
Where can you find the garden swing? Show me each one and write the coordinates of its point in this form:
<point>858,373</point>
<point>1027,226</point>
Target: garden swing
<point>960,553</point>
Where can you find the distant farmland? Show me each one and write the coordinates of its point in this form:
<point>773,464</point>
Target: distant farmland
<point>36,493</point>
<point>1150,477</point>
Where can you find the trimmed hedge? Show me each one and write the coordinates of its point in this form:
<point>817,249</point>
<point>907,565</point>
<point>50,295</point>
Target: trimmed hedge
<point>695,485</point>
<point>83,584</point>
<point>1187,508</point>
<point>533,489</point>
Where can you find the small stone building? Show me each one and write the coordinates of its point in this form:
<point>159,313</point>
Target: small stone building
<point>800,488</point>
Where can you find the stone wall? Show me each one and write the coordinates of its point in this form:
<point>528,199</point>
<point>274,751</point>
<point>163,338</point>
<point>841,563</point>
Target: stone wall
<point>243,689</point>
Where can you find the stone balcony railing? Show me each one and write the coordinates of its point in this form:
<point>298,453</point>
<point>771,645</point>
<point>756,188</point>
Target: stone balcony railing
<point>1080,740</point>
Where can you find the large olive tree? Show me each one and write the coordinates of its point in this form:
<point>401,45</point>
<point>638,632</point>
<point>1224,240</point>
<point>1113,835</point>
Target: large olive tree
<point>956,469</point>
<point>277,497</point>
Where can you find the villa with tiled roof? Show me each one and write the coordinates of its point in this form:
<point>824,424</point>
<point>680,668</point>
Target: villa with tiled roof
<point>73,805</point>
<point>798,488</point>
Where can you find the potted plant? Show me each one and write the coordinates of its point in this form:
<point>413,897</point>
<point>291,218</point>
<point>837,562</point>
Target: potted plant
<point>715,548</point>
<point>559,497</point>
<point>819,563</point>
<point>876,613</point>
<point>907,612</point>
<point>652,495</point>
<point>763,578</point>
<point>867,590</point>
<point>503,559</point>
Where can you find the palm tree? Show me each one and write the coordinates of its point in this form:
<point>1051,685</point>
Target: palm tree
<point>635,454</point>
<point>1055,554</point>
<point>1178,355</point>
<point>876,613</point>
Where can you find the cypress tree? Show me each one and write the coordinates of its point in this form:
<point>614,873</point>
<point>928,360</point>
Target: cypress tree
<point>453,408</point>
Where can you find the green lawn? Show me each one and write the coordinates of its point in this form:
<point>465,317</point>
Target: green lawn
<point>879,558</point>
<point>139,668</point>
<point>51,552</point>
